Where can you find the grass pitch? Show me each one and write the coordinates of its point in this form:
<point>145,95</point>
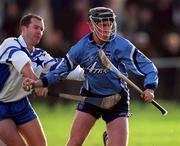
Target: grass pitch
<point>147,126</point>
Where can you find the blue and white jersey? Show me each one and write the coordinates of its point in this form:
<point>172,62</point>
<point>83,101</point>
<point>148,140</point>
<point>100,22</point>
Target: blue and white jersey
<point>13,56</point>
<point>123,54</point>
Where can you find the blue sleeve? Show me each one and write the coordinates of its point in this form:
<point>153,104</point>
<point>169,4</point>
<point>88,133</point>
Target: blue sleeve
<point>139,64</point>
<point>67,64</point>
<point>54,63</point>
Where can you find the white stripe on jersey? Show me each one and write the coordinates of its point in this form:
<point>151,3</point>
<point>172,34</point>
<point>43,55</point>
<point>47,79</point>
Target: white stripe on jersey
<point>131,56</point>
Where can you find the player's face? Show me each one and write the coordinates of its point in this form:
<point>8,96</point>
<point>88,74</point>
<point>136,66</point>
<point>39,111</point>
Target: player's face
<point>34,31</point>
<point>103,30</point>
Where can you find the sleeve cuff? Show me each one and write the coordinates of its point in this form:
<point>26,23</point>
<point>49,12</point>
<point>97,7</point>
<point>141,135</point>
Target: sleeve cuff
<point>44,81</point>
<point>151,86</point>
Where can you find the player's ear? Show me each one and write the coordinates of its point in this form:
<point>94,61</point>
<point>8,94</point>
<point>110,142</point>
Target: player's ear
<point>22,28</point>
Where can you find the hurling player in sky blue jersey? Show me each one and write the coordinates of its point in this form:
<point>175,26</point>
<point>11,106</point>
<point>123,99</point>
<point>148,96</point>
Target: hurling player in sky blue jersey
<point>100,82</point>
<point>18,59</point>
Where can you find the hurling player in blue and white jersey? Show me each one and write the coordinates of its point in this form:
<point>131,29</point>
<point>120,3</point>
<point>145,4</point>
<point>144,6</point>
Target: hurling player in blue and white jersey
<point>18,59</point>
<point>100,82</point>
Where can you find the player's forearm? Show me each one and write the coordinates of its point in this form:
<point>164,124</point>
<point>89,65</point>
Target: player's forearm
<point>54,77</point>
<point>38,83</point>
<point>27,71</point>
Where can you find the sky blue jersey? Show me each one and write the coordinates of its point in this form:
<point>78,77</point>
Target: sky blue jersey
<point>121,52</point>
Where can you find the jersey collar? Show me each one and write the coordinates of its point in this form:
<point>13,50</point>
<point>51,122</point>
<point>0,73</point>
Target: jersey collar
<point>22,42</point>
<point>93,42</point>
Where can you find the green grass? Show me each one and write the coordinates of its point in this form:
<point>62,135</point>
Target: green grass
<point>147,126</point>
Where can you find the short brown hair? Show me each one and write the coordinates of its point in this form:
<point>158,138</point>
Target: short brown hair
<point>26,19</point>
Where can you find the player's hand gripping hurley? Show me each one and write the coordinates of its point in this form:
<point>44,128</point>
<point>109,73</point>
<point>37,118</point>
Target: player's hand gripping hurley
<point>108,65</point>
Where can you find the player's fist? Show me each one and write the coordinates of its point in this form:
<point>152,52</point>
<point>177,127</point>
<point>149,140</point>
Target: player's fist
<point>27,84</point>
<point>148,95</point>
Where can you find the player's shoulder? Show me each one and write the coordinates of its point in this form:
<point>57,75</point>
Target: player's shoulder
<point>10,42</point>
<point>83,41</point>
<point>122,40</point>
<point>40,52</point>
